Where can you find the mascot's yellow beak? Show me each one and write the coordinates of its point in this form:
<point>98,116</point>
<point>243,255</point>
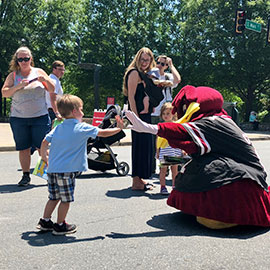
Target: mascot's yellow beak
<point>192,108</point>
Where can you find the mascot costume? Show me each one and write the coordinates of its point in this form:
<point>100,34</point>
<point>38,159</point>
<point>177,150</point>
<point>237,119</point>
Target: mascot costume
<point>224,184</point>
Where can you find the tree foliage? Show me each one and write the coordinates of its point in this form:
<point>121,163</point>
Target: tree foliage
<point>198,35</point>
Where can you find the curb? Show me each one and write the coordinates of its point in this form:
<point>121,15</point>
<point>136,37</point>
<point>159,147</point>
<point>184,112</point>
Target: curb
<point>260,139</point>
<point>12,148</point>
<point>7,148</point>
<point>121,144</point>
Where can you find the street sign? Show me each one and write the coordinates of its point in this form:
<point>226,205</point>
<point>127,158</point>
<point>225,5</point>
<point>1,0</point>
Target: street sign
<point>250,25</point>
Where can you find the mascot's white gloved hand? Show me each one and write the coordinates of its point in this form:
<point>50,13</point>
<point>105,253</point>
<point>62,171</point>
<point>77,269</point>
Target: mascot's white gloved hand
<point>140,126</point>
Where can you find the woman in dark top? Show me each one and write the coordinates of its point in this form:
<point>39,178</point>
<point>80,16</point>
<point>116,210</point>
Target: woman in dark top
<point>134,89</point>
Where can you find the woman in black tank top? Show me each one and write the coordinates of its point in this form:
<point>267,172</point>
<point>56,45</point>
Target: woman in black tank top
<point>134,90</point>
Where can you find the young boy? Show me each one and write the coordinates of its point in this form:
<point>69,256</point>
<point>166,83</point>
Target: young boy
<point>67,157</point>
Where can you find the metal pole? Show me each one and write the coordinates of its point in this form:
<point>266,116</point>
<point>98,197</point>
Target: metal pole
<point>96,80</point>
<point>5,107</point>
<point>90,66</point>
<point>1,102</point>
<point>79,49</point>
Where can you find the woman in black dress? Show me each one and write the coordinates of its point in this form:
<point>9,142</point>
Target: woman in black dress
<point>134,90</point>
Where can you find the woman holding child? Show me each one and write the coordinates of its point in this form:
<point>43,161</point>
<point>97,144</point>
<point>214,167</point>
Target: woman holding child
<point>134,89</point>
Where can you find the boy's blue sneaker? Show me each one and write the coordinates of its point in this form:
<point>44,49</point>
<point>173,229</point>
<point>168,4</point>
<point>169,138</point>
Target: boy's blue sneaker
<point>164,191</point>
<point>64,228</point>
<point>44,225</point>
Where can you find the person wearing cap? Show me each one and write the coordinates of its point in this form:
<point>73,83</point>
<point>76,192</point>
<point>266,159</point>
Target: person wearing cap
<point>58,70</point>
<point>253,120</point>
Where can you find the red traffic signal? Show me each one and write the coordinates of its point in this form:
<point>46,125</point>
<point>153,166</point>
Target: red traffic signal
<point>240,20</point>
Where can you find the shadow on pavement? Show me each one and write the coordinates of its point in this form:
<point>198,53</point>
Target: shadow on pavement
<point>180,224</point>
<point>127,193</point>
<point>41,239</point>
<point>98,175</point>
<point>12,188</point>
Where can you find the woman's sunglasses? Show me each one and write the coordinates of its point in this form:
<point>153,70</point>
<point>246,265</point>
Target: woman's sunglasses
<point>25,59</point>
<point>162,64</point>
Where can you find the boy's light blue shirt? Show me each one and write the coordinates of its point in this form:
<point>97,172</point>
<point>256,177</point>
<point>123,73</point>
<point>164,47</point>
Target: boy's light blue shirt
<point>68,152</point>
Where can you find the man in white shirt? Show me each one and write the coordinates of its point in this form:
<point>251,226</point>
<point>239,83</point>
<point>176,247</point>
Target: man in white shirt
<point>163,62</point>
<point>58,70</point>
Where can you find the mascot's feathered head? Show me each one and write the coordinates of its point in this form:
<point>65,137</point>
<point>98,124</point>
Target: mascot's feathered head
<point>209,99</point>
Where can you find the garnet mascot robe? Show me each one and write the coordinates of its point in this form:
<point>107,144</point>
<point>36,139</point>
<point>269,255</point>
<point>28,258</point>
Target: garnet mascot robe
<point>224,184</point>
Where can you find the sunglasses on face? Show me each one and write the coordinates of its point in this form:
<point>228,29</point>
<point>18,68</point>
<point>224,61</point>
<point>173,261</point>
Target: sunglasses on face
<point>162,64</point>
<point>145,60</point>
<point>25,59</point>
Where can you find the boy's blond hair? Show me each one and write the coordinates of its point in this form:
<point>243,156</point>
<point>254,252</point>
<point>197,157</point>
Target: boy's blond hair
<point>167,106</point>
<point>67,103</point>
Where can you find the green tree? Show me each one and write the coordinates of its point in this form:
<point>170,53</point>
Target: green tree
<point>111,32</point>
<point>44,26</point>
<point>216,56</point>
<point>198,35</point>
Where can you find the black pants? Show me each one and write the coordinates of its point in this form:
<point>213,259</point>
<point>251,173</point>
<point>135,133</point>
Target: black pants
<point>51,114</point>
<point>255,125</point>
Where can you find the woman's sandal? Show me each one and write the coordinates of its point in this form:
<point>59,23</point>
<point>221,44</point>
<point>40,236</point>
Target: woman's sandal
<point>147,186</point>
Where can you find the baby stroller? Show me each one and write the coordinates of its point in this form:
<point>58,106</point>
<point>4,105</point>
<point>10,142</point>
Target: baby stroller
<point>99,153</point>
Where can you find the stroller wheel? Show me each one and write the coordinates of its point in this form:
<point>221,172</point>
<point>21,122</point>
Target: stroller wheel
<point>122,169</point>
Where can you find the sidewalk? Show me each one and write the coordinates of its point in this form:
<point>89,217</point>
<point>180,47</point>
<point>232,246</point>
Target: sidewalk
<point>7,142</point>
<point>6,138</point>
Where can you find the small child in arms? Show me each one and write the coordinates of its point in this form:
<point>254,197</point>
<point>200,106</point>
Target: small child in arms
<point>154,75</point>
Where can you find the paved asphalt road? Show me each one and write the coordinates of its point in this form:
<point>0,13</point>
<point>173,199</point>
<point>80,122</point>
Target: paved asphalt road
<point>118,228</point>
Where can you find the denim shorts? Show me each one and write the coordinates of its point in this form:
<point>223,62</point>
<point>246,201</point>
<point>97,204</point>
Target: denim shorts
<point>29,132</point>
<point>61,186</point>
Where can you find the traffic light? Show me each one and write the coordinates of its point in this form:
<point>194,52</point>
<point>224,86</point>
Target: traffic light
<point>240,19</point>
<point>268,31</point>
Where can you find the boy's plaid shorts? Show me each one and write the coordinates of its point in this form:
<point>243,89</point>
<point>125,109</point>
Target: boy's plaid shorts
<point>61,186</point>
